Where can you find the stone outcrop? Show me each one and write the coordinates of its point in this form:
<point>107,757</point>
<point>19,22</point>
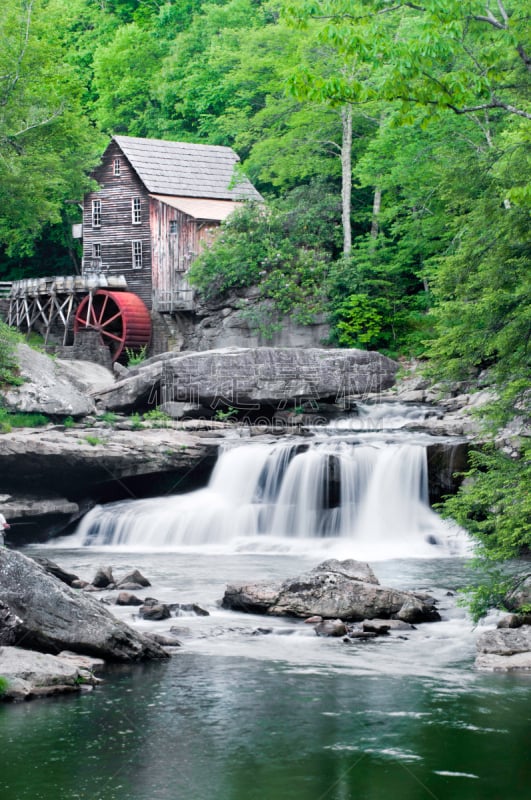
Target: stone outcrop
<point>39,611</point>
<point>248,378</point>
<point>55,387</point>
<point>67,460</point>
<point>330,591</point>
<point>30,674</point>
<point>504,650</point>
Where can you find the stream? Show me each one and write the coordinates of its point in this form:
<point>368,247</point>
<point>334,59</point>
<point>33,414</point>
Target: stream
<point>254,708</point>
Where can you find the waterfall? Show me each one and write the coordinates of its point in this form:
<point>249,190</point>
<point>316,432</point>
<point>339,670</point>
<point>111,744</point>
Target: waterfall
<point>348,499</point>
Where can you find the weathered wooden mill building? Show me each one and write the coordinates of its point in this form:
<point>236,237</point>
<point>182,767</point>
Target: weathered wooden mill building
<point>158,203</point>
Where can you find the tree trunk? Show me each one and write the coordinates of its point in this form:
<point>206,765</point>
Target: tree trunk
<point>346,176</point>
<point>376,205</point>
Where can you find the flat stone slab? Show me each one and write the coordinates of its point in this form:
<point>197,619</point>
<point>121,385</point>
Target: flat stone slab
<point>31,674</point>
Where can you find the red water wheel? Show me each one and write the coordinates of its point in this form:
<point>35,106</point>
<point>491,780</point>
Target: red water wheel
<point>121,318</point>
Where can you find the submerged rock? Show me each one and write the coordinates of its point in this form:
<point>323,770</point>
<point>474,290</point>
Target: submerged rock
<point>331,627</point>
<point>47,615</point>
<point>328,591</point>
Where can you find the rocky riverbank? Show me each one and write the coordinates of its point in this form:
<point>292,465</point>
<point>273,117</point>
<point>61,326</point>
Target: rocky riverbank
<point>52,636</point>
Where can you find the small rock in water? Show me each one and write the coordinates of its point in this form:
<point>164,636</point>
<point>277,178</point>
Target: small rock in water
<point>127,599</point>
<point>188,609</point>
<point>154,612</point>
<point>263,631</point>
<point>313,620</point>
<point>415,611</point>
<point>133,577</point>
<point>385,625</point>
<point>331,627</point>
<point>103,578</point>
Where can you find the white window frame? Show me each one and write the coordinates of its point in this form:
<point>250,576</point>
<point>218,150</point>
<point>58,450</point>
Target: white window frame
<point>96,250</point>
<point>96,213</point>
<point>174,227</point>
<point>136,210</point>
<point>136,253</point>
<point>117,168</point>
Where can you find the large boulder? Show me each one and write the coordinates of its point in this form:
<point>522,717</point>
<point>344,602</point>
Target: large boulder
<point>330,591</point>
<point>57,388</point>
<point>504,650</point>
<point>248,378</point>
<point>43,613</point>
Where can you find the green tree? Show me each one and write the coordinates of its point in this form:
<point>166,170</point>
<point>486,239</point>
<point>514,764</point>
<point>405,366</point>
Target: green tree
<point>46,146</point>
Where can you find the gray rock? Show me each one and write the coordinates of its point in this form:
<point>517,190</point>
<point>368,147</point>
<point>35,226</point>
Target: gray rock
<point>188,609</point>
<point>357,570</point>
<point>103,578</point>
<point>263,375</point>
<point>489,662</point>
<point>52,387</point>
<point>62,460</point>
<point>58,572</point>
<point>329,594</point>
<point>79,584</point>
<point>154,612</point>
<point>379,625</point>
<point>331,627</point>
<point>134,577</point>
<point>505,642</point>
<point>51,616</point>
<point>126,599</point>
<point>30,674</point>
<point>415,610</point>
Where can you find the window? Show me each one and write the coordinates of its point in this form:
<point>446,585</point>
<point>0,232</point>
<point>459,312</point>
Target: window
<point>136,210</point>
<point>96,250</point>
<point>137,254</point>
<point>173,226</point>
<point>116,167</point>
<point>96,213</point>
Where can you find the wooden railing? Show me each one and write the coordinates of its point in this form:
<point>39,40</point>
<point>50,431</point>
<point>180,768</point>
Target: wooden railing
<point>5,288</point>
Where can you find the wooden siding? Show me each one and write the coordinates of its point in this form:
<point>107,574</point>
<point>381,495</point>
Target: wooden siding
<point>176,240</point>
<point>117,231</point>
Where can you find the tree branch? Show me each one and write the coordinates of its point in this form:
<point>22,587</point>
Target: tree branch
<point>13,79</point>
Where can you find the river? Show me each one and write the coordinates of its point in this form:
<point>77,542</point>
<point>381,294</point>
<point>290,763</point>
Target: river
<point>278,714</point>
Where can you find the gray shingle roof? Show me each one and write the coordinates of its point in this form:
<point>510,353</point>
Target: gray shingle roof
<point>187,170</point>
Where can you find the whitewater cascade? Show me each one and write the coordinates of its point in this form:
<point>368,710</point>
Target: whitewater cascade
<point>345,498</point>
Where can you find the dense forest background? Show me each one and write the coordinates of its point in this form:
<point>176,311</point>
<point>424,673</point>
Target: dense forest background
<point>390,139</point>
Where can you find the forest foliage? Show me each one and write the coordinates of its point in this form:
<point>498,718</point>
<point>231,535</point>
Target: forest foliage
<point>407,123</point>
